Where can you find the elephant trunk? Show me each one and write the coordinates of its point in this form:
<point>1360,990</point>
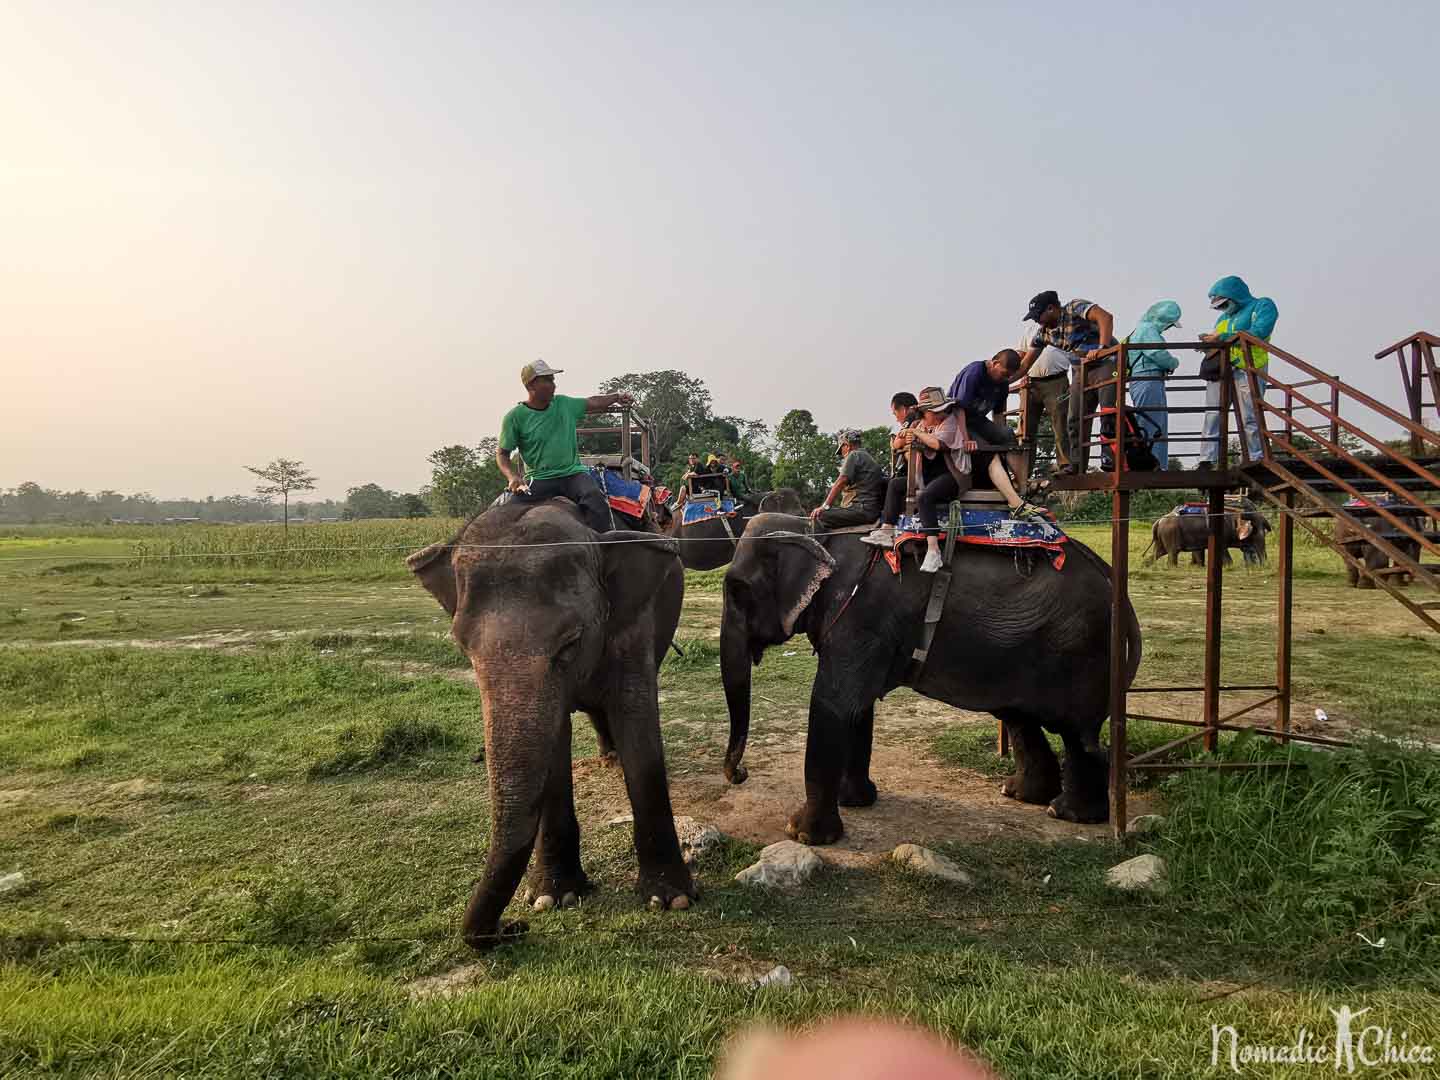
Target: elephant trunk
<point>735,673</point>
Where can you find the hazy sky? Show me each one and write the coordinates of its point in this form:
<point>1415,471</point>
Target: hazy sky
<point>336,231</point>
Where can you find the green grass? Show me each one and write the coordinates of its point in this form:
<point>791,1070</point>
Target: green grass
<point>290,810</point>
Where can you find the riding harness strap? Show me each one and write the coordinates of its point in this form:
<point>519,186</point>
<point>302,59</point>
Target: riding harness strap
<point>935,607</point>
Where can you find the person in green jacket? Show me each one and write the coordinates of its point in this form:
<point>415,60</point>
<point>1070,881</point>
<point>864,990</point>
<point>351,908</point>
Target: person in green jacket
<point>542,428</point>
<point>1148,371</point>
<point>740,483</point>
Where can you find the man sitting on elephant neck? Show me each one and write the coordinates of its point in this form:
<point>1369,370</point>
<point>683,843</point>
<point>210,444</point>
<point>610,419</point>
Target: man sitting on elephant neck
<point>542,428</point>
<point>860,487</point>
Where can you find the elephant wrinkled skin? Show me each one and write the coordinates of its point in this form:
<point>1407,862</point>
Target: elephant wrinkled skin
<point>1018,639</point>
<point>555,618</point>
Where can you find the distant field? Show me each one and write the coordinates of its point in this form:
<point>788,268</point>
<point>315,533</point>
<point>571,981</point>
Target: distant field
<point>241,793</point>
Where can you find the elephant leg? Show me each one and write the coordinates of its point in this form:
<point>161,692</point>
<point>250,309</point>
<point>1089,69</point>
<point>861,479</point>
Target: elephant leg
<point>1174,556</point>
<point>856,787</point>
<point>603,739</point>
<point>664,878</point>
<point>1036,778</point>
<point>1375,559</point>
<point>834,707</point>
<point>557,877</point>
<point>1352,574</point>
<point>1085,796</point>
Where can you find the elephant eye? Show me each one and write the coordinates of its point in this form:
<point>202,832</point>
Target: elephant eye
<point>568,648</point>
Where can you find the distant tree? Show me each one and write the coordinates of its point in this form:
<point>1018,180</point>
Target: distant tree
<point>281,477</point>
<point>33,501</point>
<point>464,480</point>
<point>804,458</point>
<point>676,403</point>
<point>413,506</point>
<point>877,441</point>
<point>371,501</point>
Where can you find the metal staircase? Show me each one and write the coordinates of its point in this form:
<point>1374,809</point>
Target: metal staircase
<point>1318,449</point>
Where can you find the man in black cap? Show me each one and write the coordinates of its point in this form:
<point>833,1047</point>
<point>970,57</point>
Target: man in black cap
<point>1075,328</point>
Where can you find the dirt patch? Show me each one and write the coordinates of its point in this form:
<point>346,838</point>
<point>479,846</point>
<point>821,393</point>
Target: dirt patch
<point>133,789</point>
<point>14,796</point>
<point>447,983</point>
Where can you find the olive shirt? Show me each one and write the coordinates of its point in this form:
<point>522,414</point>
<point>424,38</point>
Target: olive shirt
<point>865,482</point>
<point>545,437</point>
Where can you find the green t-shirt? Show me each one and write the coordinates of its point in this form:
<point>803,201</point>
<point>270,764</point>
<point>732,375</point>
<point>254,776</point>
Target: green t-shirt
<point>545,437</point>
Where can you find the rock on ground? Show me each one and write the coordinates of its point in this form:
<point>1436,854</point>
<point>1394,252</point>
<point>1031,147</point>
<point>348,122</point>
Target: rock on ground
<point>696,837</point>
<point>930,862</point>
<point>1144,873</point>
<point>781,865</point>
<point>11,881</point>
<point>1146,824</point>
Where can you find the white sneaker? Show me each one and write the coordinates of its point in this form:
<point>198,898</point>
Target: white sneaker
<point>933,561</point>
<point>884,536</point>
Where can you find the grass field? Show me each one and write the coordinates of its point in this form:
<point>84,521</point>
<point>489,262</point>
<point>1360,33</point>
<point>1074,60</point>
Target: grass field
<point>241,794</point>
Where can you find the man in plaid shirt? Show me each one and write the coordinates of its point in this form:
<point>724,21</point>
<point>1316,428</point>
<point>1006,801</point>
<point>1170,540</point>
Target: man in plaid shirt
<point>1075,328</point>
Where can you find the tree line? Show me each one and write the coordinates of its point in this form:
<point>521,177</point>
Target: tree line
<point>464,480</point>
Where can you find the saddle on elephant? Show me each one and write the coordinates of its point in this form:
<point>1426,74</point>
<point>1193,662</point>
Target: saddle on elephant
<point>706,507</point>
<point>987,526</point>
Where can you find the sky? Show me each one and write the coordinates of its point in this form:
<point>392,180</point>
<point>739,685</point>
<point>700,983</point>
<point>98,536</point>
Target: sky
<point>335,232</point>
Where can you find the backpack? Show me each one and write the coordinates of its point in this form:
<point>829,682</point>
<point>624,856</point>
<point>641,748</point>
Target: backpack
<point>1139,442</point>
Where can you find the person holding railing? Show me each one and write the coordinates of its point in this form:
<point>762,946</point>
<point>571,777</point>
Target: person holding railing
<point>1256,316</point>
<point>1147,373</point>
<point>1075,327</point>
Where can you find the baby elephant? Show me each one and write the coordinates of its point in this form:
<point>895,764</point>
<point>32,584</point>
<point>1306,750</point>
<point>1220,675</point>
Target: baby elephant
<point>1245,528</point>
<point>556,618</point>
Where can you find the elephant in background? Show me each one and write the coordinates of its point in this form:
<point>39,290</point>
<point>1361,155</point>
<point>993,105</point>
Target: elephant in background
<point>1245,528</point>
<point>1356,542</point>
<point>1017,639</point>
<point>710,544</point>
<point>556,618</point>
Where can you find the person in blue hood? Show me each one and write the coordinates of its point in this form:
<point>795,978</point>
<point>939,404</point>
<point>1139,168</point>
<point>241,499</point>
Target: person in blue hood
<point>1256,316</point>
<point>1148,369</point>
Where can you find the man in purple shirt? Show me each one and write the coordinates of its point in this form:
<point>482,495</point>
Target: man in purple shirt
<point>981,390</point>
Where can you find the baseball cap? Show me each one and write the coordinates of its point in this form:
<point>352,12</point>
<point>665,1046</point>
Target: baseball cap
<point>530,372</point>
<point>1040,302</point>
<point>850,435</point>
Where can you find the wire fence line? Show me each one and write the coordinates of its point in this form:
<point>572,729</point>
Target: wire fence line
<point>655,538</point>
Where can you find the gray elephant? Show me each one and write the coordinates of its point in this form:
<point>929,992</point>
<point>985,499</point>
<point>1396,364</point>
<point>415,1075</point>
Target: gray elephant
<point>710,544</point>
<point>1017,639</point>
<point>556,618</point>
<point>1245,528</point>
<point>1356,542</point>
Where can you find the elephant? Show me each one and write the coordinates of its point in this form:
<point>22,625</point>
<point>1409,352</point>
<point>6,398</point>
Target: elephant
<point>1176,532</point>
<point>710,544</point>
<point>556,618</point>
<point>1355,540</point>
<point>1018,639</point>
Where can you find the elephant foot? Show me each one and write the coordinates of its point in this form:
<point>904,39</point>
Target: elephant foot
<point>557,890</point>
<point>1067,807</point>
<point>1028,787</point>
<point>858,791</point>
<point>815,829</point>
<point>669,889</point>
<point>506,933</point>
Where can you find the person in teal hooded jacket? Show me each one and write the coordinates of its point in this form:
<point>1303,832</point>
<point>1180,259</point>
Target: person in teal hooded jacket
<point>1148,369</point>
<point>1256,316</point>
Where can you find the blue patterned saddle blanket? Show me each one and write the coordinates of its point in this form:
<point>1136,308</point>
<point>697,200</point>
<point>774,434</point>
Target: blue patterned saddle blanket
<point>706,507</point>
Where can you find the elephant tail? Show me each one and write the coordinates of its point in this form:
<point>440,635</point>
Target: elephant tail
<point>1132,643</point>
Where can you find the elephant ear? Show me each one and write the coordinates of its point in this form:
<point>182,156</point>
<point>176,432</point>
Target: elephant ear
<point>635,566</point>
<point>436,571</point>
<point>800,567</point>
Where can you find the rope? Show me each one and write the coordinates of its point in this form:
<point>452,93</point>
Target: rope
<point>656,538</point>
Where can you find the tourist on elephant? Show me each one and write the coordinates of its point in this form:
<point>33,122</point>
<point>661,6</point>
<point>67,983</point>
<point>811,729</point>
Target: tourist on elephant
<point>902,405</point>
<point>740,483</point>
<point>860,487</point>
<point>980,391</point>
<point>1239,310</point>
<point>947,466</point>
<point>1075,328</point>
<point>1148,370</point>
<point>542,428</point>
